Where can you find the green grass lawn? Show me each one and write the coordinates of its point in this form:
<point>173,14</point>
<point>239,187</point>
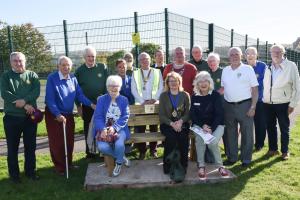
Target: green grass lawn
<point>42,127</point>
<point>266,179</point>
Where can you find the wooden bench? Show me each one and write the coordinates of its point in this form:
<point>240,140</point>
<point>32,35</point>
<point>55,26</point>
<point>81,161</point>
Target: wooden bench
<point>143,115</point>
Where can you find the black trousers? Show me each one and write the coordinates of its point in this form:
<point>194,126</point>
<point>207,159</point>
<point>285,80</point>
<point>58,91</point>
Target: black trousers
<point>14,127</point>
<point>173,139</point>
<point>87,114</point>
<point>278,112</point>
<point>142,146</point>
<point>260,125</point>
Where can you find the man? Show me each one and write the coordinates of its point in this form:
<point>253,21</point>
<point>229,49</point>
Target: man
<point>213,61</point>
<point>128,57</point>
<point>259,117</point>
<point>146,87</point>
<point>159,61</point>
<point>91,78</point>
<point>281,95</point>
<point>240,94</point>
<point>186,70</point>
<point>20,89</point>
<point>197,60</point>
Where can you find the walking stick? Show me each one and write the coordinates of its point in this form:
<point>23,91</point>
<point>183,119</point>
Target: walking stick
<point>66,151</point>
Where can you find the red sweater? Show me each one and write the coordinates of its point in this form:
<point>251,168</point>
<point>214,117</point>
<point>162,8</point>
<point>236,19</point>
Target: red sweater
<point>188,76</point>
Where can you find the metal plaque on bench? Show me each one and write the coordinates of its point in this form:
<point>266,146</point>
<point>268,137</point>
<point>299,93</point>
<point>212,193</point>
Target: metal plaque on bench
<point>149,108</point>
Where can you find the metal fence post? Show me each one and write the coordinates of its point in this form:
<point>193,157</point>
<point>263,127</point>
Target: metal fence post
<point>257,47</point>
<point>66,37</point>
<point>211,37</point>
<point>167,35</point>
<point>191,35</point>
<point>246,41</point>
<point>136,30</point>
<point>231,41</point>
<point>10,40</point>
<point>86,39</point>
<point>267,55</point>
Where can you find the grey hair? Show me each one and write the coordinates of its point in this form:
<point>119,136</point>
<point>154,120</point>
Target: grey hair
<point>215,55</point>
<point>251,48</point>
<point>235,48</point>
<point>203,76</point>
<point>13,54</point>
<point>197,47</point>
<point>128,54</point>
<point>64,58</point>
<point>281,47</point>
<point>144,54</point>
<point>114,80</point>
<point>181,48</point>
<point>89,48</point>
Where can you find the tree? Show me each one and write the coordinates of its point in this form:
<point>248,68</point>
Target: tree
<point>111,61</point>
<point>28,40</point>
<point>149,48</point>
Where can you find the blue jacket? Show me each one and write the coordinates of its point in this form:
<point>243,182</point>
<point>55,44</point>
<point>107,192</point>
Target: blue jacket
<point>126,89</point>
<point>102,108</point>
<point>259,70</point>
<point>61,94</point>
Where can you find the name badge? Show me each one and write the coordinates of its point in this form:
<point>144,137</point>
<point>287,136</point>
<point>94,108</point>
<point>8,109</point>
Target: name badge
<point>196,104</point>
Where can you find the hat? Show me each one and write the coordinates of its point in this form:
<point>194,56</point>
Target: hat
<point>37,116</point>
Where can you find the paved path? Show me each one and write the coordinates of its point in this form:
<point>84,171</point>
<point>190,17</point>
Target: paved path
<point>43,147</point>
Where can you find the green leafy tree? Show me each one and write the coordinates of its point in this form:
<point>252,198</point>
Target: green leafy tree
<point>31,42</point>
<point>111,60</point>
<point>149,48</point>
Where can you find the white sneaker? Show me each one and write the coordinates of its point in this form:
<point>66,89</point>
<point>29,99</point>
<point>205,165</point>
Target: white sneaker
<point>126,161</point>
<point>117,169</point>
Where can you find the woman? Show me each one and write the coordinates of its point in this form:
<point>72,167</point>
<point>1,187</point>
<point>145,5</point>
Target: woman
<point>110,122</point>
<point>62,90</point>
<point>207,113</point>
<point>174,115</point>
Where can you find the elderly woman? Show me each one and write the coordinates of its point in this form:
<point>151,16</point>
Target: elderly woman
<point>213,60</point>
<point>110,122</point>
<point>62,90</point>
<point>174,115</point>
<point>207,113</point>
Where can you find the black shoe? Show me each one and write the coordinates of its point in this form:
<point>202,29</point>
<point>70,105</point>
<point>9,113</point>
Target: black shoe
<point>228,163</point>
<point>91,156</point>
<point>258,149</point>
<point>33,177</point>
<point>246,164</point>
<point>15,180</point>
<point>142,156</point>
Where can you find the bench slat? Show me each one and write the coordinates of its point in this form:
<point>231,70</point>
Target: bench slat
<point>139,109</point>
<point>143,120</point>
<point>146,137</point>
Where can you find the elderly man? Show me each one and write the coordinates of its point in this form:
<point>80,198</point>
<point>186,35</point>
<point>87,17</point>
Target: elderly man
<point>281,95</point>
<point>146,87</point>
<point>91,78</point>
<point>197,60</point>
<point>240,94</point>
<point>20,89</point>
<point>259,117</point>
<point>213,61</point>
<point>186,70</point>
<point>159,61</point>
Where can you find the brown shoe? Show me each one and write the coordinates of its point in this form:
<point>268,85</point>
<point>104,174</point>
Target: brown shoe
<point>272,153</point>
<point>202,173</point>
<point>285,156</point>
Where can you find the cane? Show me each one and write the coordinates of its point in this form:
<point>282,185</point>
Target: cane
<point>66,151</point>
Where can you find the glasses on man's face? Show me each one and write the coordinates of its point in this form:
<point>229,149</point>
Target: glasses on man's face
<point>276,52</point>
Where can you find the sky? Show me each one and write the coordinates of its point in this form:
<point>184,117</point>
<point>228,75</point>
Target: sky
<point>275,21</point>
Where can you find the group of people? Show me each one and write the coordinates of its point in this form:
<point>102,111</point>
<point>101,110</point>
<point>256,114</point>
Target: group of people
<point>224,102</point>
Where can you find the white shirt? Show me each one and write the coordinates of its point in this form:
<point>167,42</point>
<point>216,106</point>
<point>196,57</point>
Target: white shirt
<point>61,76</point>
<point>237,83</point>
<point>113,112</point>
<point>147,93</point>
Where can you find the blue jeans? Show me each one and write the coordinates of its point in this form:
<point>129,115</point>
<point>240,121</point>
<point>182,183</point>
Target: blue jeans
<point>278,112</point>
<point>117,151</point>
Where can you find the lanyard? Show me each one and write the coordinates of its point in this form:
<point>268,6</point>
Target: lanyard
<point>174,101</point>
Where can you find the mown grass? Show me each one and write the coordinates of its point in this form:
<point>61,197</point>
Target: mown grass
<point>267,178</point>
<point>42,127</point>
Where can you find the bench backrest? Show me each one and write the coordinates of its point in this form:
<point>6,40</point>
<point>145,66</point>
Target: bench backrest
<point>143,115</point>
